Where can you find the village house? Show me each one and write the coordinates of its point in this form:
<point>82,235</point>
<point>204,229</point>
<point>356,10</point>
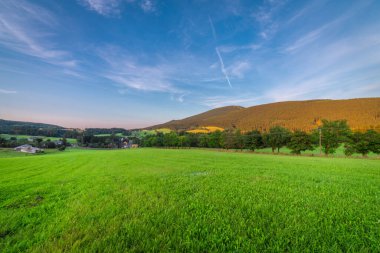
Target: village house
<point>26,148</point>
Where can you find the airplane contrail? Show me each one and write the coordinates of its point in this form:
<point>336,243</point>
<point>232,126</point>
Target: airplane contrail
<point>218,53</point>
<point>222,67</point>
<point>212,27</point>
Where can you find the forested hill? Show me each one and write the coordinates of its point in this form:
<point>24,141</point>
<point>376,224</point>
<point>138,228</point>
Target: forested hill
<point>35,129</point>
<point>6,125</point>
<point>361,113</point>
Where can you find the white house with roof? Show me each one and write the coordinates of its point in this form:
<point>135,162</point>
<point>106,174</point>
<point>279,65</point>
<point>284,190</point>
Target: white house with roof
<point>26,148</point>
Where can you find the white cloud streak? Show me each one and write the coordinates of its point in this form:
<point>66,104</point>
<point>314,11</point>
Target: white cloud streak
<point>222,68</point>
<point>233,48</point>
<point>212,27</point>
<point>219,101</point>
<point>3,91</point>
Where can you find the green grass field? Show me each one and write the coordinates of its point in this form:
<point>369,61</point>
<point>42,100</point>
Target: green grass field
<point>149,200</point>
<point>106,135</point>
<point>7,136</point>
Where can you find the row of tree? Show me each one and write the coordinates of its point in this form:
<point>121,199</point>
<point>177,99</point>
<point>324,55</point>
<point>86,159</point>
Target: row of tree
<point>92,141</point>
<point>329,136</point>
<point>13,142</point>
<point>108,141</point>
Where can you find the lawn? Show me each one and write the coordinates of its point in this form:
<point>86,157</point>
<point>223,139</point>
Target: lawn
<point>108,135</point>
<point>146,200</point>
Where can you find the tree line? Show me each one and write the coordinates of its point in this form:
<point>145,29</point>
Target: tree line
<point>329,136</point>
<point>38,142</point>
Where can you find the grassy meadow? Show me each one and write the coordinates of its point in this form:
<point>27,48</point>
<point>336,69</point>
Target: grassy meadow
<point>143,200</point>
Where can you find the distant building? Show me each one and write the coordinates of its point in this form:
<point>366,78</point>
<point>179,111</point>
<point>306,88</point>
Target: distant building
<point>58,142</point>
<point>26,148</point>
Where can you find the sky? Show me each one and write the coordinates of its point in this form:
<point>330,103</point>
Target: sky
<point>136,63</point>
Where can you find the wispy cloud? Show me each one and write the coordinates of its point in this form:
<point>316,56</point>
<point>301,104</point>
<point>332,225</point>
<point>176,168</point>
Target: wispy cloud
<point>314,35</point>
<point>331,68</point>
<point>26,28</point>
<point>265,17</point>
<point>310,37</point>
<point>129,73</point>
<point>103,7</point>
<point>239,69</point>
<point>111,8</point>
<point>3,91</point>
<point>147,6</point>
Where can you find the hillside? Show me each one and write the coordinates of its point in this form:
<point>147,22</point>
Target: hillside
<point>361,113</point>
<point>6,125</point>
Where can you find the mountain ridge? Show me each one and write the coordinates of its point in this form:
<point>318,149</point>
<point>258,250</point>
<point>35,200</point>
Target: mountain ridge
<point>360,113</point>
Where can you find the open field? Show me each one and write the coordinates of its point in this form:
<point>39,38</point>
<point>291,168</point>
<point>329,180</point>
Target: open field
<point>205,130</point>
<point>106,135</point>
<point>7,136</point>
<point>187,200</point>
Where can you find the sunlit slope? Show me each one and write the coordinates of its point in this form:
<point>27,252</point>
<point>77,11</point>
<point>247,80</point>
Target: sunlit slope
<point>361,113</point>
<point>201,120</point>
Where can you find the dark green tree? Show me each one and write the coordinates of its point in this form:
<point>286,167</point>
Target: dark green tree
<point>277,137</point>
<point>215,139</point>
<point>363,143</point>
<point>333,134</point>
<point>300,141</point>
<point>229,139</point>
<point>254,140</point>
<point>171,139</point>
<point>183,141</point>
<point>38,141</point>
<point>203,140</point>
<point>374,144</point>
<point>239,140</point>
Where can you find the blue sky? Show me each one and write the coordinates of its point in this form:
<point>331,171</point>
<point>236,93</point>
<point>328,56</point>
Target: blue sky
<point>134,63</point>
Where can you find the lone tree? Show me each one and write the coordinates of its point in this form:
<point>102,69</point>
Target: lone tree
<point>333,134</point>
<point>277,137</point>
<point>300,141</point>
<point>254,140</point>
